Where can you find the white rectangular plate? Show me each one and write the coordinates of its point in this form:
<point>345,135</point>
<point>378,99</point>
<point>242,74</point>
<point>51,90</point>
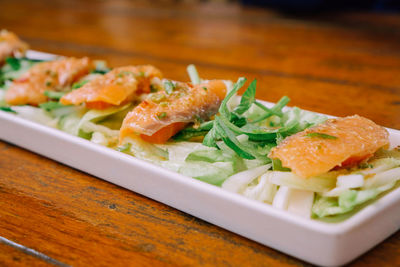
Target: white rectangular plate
<point>321,243</point>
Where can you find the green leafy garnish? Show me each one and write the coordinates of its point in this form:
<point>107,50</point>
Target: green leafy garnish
<point>231,141</point>
<point>79,84</point>
<point>14,63</point>
<point>7,109</point>
<point>51,105</point>
<point>228,125</point>
<point>321,135</point>
<point>190,132</point>
<point>248,98</point>
<point>54,95</point>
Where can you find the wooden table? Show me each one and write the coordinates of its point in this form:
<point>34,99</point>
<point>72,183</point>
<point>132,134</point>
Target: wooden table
<point>338,64</point>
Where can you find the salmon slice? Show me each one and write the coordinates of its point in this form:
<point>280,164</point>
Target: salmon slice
<point>163,114</point>
<point>11,45</point>
<point>337,142</point>
<point>119,86</point>
<point>46,76</point>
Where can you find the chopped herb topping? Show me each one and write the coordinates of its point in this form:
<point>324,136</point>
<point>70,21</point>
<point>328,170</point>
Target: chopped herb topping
<point>124,73</point>
<point>51,73</point>
<point>48,83</point>
<point>142,74</point>
<point>157,98</point>
<point>204,88</point>
<point>365,165</point>
<point>321,135</point>
<point>153,88</point>
<point>169,86</point>
<point>79,84</point>
<point>162,115</point>
<point>164,104</point>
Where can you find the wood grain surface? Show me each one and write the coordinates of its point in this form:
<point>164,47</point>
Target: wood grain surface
<point>335,63</point>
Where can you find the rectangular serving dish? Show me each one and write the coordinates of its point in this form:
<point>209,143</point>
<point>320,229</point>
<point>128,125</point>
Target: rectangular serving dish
<point>321,243</point>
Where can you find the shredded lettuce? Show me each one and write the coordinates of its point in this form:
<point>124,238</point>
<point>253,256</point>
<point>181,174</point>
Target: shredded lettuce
<point>295,201</point>
<point>321,183</point>
<point>35,114</point>
<point>347,200</point>
<point>146,151</point>
<point>83,124</point>
<point>359,186</point>
<point>238,182</point>
<point>262,190</point>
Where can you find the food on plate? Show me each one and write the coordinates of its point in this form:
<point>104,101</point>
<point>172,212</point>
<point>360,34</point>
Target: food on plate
<point>52,76</point>
<point>11,46</point>
<point>342,142</point>
<point>163,114</point>
<point>292,159</point>
<point>117,87</point>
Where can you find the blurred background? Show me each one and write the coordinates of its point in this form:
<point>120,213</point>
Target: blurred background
<point>326,5</point>
<point>314,51</point>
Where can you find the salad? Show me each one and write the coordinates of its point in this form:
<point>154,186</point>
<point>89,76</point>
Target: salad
<point>289,158</point>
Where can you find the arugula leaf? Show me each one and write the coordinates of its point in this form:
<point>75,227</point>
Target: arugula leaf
<point>223,109</point>
<point>230,139</point>
<point>191,132</point>
<point>321,135</point>
<point>275,110</point>
<point>248,98</point>
<point>14,63</point>
<point>7,109</point>
<point>54,95</point>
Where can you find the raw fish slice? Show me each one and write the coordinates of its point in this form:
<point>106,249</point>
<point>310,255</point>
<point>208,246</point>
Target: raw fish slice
<point>337,142</point>
<point>163,114</point>
<point>119,86</point>
<point>46,76</point>
<point>11,45</point>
